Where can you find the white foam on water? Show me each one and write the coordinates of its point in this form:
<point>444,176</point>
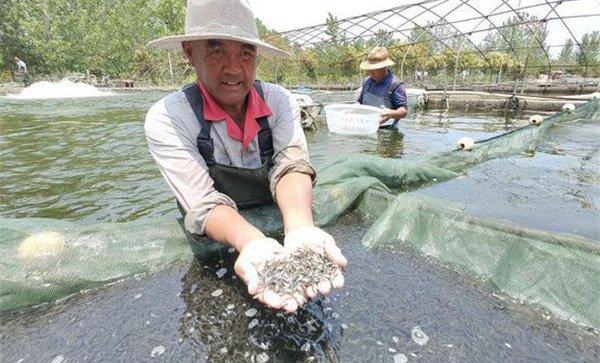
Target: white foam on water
<point>61,89</point>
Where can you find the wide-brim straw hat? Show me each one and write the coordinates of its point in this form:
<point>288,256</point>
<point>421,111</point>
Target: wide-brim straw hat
<point>377,58</point>
<point>218,19</point>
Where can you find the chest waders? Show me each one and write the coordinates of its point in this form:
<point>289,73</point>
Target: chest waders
<point>376,100</point>
<point>246,186</point>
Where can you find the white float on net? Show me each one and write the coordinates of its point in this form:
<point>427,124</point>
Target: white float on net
<point>466,143</point>
<point>40,246</point>
<point>568,107</point>
<point>536,120</point>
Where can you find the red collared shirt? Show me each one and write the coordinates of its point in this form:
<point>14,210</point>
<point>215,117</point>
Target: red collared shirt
<point>255,109</point>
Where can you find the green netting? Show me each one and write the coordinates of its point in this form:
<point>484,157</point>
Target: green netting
<point>557,271</point>
<point>78,257</point>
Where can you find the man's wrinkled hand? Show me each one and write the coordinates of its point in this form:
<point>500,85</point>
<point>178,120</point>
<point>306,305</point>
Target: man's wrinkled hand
<point>385,115</point>
<point>252,257</point>
<point>317,240</point>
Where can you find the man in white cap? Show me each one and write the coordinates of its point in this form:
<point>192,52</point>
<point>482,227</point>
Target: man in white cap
<point>21,66</point>
<point>381,88</point>
<point>228,142</point>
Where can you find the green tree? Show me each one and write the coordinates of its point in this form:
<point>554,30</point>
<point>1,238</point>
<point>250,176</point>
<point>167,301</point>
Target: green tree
<point>523,36</point>
<point>566,55</point>
<point>588,56</point>
<point>336,35</point>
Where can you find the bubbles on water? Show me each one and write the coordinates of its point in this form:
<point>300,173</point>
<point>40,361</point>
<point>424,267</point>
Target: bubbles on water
<point>262,358</point>
<point>58,359</point>
<point>403,234</point>
<point>251,312</point>
<point>253,323</point>
<point>63,89</point>
<point>217,293</point>
<point>221,272</point>
<point>157,351</point>
<point>400,358</point>
<point>418,336</point>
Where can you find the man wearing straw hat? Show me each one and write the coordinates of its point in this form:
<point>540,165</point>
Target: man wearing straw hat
<point>228,142</point>
<point>381,88</point>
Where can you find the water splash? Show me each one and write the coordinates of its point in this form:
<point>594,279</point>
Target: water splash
<point>62,89</point>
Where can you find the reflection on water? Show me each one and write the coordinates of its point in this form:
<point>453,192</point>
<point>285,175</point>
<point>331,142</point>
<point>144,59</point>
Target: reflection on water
<point>82,159</point>
<point>87,159</point>
<point>231,325</point>
<point>390,143</point>
<point>417,135</point>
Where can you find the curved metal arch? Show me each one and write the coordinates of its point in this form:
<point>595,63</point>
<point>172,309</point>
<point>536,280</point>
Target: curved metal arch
<point>460,32</point>
<point>293,35</point>
<point>302,35</point>
<point>403,7</point>
<point>440,40</point>
<point>300,32</point>
<point>526,23</point>
<point>483,18</point>
<point>374,34</point>
<point>570,33</point>
<point>393,10</point>
<point>357,28</point>
<point>393,13</point>
<point>486,17</point>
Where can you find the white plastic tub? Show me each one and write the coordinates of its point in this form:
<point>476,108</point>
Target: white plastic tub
<point>352,119</point>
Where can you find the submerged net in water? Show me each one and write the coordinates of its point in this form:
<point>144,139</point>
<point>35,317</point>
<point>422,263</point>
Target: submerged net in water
<point>43,260</point>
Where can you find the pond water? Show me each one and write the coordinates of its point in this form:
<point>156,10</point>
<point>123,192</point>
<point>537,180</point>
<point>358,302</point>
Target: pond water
<point>87,160</point>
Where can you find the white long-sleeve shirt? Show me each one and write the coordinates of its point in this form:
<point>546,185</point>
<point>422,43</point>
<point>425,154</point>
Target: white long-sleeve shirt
<point>172,130</point>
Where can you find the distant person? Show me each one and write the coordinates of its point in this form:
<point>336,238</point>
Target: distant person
<point>381,88</point>
<point>227,142</point>
<point>22,71</point>
<point>106,81</point>
<point>21,66</point>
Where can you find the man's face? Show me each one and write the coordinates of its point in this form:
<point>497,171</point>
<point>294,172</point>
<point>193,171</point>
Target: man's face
<point>226,68</point>
<point>378,74</point>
